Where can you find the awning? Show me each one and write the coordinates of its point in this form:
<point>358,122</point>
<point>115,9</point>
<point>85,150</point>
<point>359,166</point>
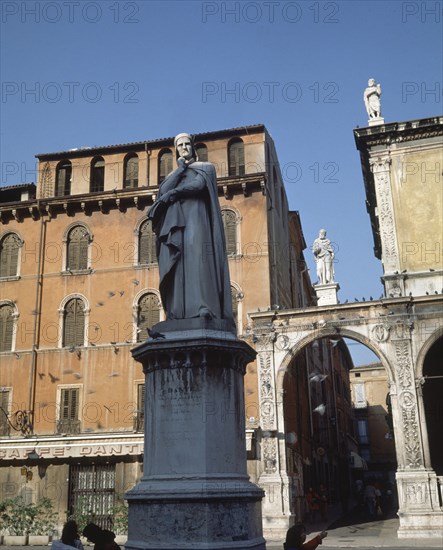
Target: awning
<point>357,462</point>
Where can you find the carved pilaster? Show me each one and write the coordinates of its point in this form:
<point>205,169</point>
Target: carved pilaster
<point>407,403</point>
<point>266,379</point>
<point>385,211</point>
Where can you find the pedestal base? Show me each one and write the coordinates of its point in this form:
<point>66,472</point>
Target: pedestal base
<point>195,493</point>
<point>327,294</point>
<point>376,121</point>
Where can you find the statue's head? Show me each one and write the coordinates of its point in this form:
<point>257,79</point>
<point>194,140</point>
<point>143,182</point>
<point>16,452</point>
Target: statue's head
<point>322,233</point>
<point>184,146</point>
<point>371,82</point>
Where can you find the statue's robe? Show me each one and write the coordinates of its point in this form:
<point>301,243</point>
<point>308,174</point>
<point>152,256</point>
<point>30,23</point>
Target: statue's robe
<point>191,249</point>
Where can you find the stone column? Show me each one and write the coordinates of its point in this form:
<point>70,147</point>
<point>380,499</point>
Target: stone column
<point>195,492</point>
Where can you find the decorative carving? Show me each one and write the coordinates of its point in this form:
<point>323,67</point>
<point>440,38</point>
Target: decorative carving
<point>380,170</point>
<point>47,186</point>
<point>412,443</point>
<point>381,332</point>
<point>403,363</point>
<point>407,403</point>
<point>415,493</point>
<point>269,448</point>
<point>267,411</point>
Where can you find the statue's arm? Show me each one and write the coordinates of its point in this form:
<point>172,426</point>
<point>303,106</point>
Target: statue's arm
<point>171,181</point>
<point>190,187</point>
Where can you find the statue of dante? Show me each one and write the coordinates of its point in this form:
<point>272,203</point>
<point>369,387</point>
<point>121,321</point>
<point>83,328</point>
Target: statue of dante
<point>371,98</point>
<point>191,250</point>
<point>324,258</point>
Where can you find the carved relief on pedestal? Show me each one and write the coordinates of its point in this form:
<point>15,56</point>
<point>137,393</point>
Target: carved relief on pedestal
<point>380,169</point>
<point>266,381</point>
<point>269,449</point>
<point>408,406</point>
<point>415,493</point>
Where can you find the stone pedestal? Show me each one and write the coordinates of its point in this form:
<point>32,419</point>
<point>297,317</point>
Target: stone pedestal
<point>327,294</point>
<point>376,121</point>
<point>195,492</point>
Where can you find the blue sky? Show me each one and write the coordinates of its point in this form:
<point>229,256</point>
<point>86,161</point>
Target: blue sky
<point>114,72</point>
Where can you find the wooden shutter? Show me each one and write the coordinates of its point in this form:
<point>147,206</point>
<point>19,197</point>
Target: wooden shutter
<point>63,179</point>
<point>131,171</point>
<point>74,323</point>
<point>6,327</point>
<point>148,315</point>
<point>4,404</point>
<point>165,165</point>
<point>236,158</point>
<point>9,249</point>
<point>98,175</point>
<point>146,245</point>
<point>230,227</point>
<point>202,152</point>
<point>69,404</point>
<point>78,242</point>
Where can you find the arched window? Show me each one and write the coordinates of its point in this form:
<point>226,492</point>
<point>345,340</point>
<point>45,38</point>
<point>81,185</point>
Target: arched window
<point>230,227</point>
<point>63,178</point>
<point>148,314</point>
<point>236,157</point>
<point>9,250</point>
<point>146,244</point>
<point>202,152</point>
<point>74,323</point>
<point>6,327</point>
<point>130,171</point>
<point>164,164</point>
<point>77,248</point>
<point>97,175</point>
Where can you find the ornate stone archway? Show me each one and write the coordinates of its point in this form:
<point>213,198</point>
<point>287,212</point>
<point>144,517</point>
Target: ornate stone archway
<point>395,329</point>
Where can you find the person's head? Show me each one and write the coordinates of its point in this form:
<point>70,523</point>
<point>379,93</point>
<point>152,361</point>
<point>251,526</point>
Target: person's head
<point>322,233</point>
<point>371,82</point>
<point>69,532</point>
<point>184,146</point>
<point>295,536</point>
<point>92,532</point>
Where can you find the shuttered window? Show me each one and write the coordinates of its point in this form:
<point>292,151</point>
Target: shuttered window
<point>146,244</point>
<point>6,327</point>
<point>230,227</point>
<point>130,168</point>
<point>74,323</point>
<point>63,179</point>
<point>4,404</point>
<point>202,152</point>
<point>9,249</point>
<point>148,315</point>
<point>164,165</point>
<point>69,404</point>
<point>69,421</point>
<point>77,253</point>
<point>236,154</point>
<point>97,175</point>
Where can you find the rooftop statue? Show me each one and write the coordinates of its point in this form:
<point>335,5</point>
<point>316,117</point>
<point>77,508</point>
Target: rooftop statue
<point>371,98</point>
<point>191,250</point>
<point>324,257</point>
